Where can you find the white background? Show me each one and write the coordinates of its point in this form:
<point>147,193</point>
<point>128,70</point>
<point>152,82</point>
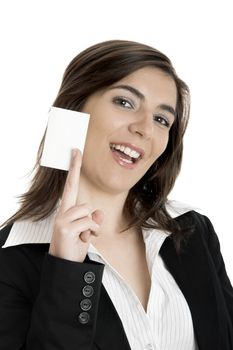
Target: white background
<point>39,38</point>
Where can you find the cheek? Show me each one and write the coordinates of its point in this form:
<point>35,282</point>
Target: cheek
<point>103,120</point>
<point>96,129</point>
<point>160,144</point>
<point>159,147</point>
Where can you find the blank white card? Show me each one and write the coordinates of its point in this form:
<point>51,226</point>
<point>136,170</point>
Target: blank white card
<point>66,130</point>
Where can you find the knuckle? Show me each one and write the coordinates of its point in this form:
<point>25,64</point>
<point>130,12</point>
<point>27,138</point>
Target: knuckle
<point>94,225</point>
<point>84,221</point>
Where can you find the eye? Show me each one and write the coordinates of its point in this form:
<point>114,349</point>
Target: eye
<point>162,120</point>
<point>123,102</point>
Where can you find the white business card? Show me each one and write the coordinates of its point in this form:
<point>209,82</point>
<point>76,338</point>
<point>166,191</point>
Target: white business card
<point>66,130</point>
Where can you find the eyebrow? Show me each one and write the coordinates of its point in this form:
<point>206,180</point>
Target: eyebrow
<point>139,95</point>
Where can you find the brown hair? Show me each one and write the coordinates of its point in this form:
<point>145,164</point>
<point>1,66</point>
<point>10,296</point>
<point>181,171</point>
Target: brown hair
<point>98,67</point>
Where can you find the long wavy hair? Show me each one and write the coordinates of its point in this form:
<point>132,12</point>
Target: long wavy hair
<point>98,67</point>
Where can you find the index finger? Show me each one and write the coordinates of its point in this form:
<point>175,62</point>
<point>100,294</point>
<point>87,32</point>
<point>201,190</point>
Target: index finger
<point>70,192</point>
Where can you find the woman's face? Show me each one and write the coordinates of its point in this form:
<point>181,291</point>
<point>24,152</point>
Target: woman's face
<point>129,129</point>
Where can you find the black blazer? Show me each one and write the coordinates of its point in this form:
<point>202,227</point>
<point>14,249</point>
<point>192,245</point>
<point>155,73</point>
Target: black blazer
<point>41,295</point>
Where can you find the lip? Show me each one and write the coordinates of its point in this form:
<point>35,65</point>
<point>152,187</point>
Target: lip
<point>134,148</point>
<point>116,156</point>
<point>120,160</point>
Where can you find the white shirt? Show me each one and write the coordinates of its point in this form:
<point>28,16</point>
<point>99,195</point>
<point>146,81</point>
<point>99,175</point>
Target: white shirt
<point>167,324</point>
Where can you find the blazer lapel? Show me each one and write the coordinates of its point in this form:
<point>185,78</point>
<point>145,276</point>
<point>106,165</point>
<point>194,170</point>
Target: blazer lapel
<point>192,272</point>
<point>110,333</point>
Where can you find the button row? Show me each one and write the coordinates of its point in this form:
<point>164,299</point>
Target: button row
<point>86,304</point>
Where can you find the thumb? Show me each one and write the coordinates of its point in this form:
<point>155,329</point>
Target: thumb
<point>98,216</point>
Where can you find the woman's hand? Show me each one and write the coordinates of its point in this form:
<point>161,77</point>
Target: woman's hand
<point>74,224</point>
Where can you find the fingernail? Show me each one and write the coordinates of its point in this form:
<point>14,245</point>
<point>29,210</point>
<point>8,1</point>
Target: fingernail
<point>74,152</point>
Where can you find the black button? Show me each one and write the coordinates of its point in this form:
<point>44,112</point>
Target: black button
<point>88,291</point>
<point>84,317</point>
<point>89,277</point>
<point>85,304</point>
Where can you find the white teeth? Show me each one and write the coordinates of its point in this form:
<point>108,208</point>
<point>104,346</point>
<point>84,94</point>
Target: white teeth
<point>134,154</point>
<point>126,160</point>
<point>127,150</point>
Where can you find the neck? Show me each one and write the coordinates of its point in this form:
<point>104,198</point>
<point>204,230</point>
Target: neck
<point>111,204</point>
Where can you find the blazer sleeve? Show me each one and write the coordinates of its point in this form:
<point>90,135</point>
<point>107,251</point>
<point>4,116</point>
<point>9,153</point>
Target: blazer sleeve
<point>214,249</point>
<point>63,314</point>
<point>63,317</point>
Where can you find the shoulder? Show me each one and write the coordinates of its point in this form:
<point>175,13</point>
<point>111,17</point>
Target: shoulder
<point>199,222</point>
<point>194,220</point>
<point>201,235</point>
<point>28,247</point>
<point>186,214</point>
<point>21,265</point>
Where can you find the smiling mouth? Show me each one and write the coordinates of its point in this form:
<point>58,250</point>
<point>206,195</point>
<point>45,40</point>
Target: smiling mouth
<point>125,153</point>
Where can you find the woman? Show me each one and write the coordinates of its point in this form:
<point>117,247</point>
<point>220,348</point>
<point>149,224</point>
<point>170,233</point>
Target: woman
<point>99,258</point>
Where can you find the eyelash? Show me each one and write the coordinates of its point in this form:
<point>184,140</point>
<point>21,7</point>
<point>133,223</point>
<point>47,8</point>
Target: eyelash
<point>119,100</point>
<point>163,121</point>
<point>158,118</point>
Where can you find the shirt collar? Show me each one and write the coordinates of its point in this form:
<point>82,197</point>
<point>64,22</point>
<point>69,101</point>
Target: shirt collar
<point>36,232</point>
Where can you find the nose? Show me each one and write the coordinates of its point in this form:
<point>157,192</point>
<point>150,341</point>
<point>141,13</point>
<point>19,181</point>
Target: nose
<point>142,125</point>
